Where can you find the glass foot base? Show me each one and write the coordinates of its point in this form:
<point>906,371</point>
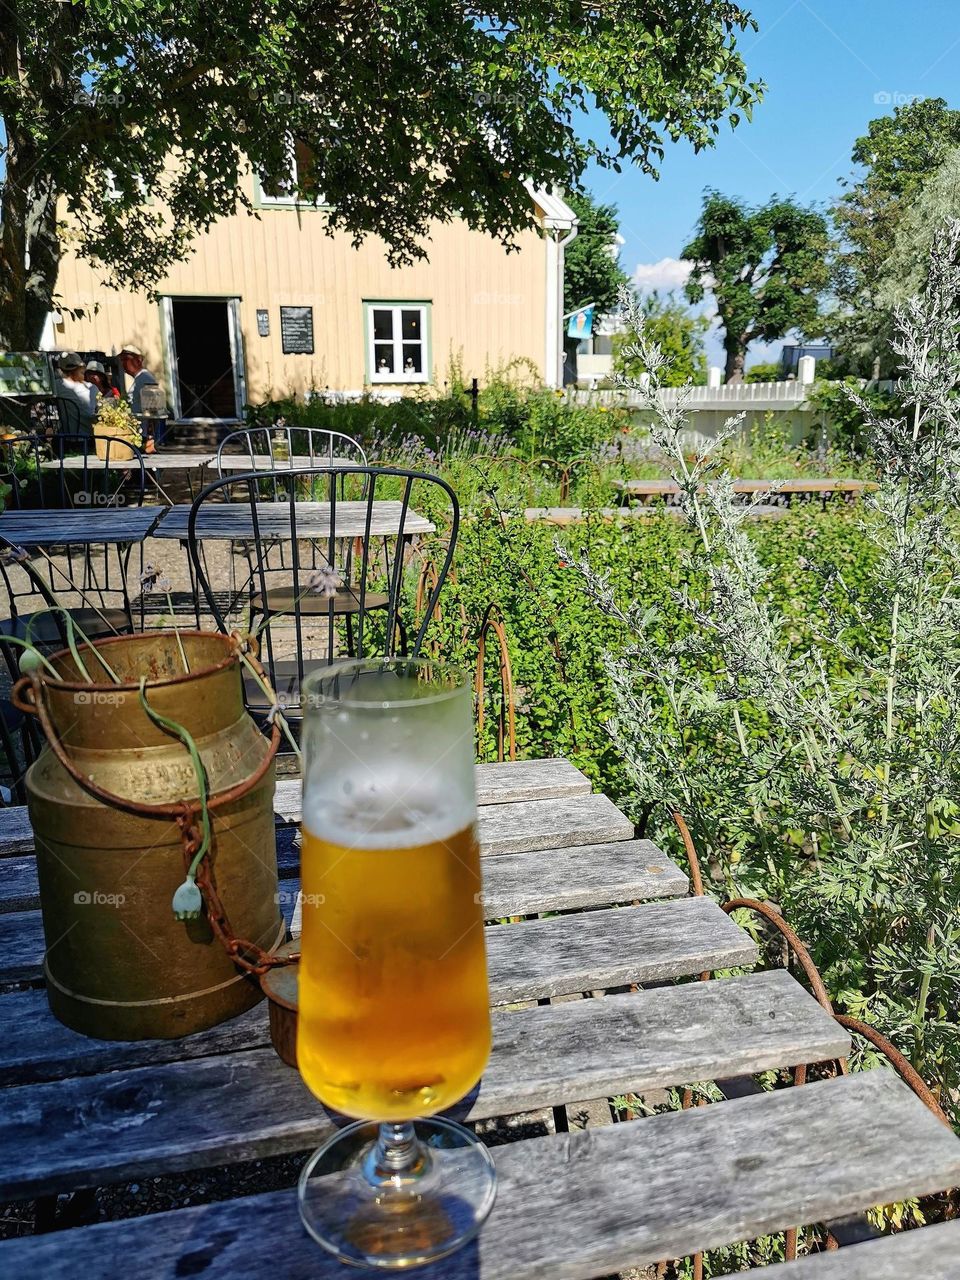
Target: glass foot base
<point>382,1198</point>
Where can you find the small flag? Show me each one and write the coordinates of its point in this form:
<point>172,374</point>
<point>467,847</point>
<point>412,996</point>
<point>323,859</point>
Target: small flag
<point>580,324</point>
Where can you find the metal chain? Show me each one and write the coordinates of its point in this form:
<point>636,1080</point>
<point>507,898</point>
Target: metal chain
<point>238,949</point>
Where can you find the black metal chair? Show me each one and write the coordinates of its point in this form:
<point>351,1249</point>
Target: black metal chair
<point>286,448</point>
<point>65,472</point>
<point>323,562</point>
<point>19,748</point>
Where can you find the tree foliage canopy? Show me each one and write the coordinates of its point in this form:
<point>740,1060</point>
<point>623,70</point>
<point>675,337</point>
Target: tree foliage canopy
<point>894,158</point>
<point>415,110</point>
<point>677,331</point>
<point>765,267</point>
<point>591,263</point>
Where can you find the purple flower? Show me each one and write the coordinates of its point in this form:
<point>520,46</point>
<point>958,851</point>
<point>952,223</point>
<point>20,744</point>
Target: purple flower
<point>324,581</point>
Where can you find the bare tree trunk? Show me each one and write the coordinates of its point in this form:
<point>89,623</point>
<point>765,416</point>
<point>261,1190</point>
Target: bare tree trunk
<point>29,238</point>
<point>43,242</point>
<point>736,355</point>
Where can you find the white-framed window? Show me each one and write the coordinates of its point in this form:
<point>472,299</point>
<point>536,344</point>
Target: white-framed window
<point>285,190</point>
<point>398,341</point>
<point>111,186</point>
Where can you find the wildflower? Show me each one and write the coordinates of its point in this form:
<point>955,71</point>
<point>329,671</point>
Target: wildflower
<point>152,579</point>
<point>277,710</point>
<point>14,555</point>
<point>325,582</point>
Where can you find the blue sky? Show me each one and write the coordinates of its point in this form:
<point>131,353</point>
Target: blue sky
<point>830,67</point>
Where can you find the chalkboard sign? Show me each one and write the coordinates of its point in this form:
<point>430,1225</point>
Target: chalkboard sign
<point>296,330</point>
<point>263,323</point>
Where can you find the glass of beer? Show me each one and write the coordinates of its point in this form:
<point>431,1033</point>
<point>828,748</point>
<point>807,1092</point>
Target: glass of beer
<point>394,1019</point>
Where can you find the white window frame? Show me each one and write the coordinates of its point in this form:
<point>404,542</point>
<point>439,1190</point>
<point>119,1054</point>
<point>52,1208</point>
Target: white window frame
<point>398,342</point>
<point>289,199</point>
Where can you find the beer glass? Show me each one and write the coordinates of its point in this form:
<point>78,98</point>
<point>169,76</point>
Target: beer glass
<point>394,1020</point>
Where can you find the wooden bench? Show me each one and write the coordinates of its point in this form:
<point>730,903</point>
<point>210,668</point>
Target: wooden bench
<point>644,490</point>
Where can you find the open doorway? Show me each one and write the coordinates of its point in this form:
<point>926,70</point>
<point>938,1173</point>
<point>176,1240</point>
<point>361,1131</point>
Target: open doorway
<point>206,362</point>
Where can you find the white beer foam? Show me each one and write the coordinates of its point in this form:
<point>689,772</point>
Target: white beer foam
<point>399,810</point>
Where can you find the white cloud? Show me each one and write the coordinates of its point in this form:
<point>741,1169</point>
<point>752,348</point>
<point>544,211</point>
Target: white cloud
<point>667,274</point>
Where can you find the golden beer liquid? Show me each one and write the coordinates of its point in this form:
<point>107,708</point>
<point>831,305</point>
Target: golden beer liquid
<point>394,1016</point>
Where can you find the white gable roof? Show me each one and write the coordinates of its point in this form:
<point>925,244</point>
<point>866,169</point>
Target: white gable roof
<point>556,212</point>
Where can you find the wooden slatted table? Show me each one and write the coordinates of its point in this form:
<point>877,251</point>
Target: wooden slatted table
<point>234,521</point>
<point>80,1113</point>
<point>153,465</point>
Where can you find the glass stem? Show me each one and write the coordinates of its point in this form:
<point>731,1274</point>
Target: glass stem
<point>398,1157</point>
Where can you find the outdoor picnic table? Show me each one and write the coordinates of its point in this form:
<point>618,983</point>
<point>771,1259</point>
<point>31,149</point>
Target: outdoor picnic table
<point>644,489</point>
<point>152,464</point>
<point>82,1113</point>
<point>233,520</point>
<point>87,526</point>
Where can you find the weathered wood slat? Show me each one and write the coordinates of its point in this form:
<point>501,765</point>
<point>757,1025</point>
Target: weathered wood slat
<point>925,1253</point>
<point>496,784</point>
<point>608,948</point>
<point>514,884</point>
<point>16,834</point>
<point>602,949</point>
<point>233,520</point>
<point>235,1106</point>
<point>518,884</point>
<point>529,780</point>
<point>19,890</point>
<point>551,824</point>
<point>547,880</point>
<point>87,527</point>
<point>583,1204</point>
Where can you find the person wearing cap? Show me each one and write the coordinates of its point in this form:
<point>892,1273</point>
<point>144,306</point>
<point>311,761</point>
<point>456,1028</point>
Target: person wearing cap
<point>131,361</point>
<point>98,377</point>
<point>79,396</point>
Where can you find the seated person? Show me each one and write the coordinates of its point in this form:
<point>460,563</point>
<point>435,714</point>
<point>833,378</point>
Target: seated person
<point>80,396</point>
<point>98,377</point>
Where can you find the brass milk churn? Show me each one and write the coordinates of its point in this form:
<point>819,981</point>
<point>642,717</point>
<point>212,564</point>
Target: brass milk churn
<point>113,801</point>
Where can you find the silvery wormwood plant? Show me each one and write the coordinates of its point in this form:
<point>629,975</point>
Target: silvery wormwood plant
<point>836,795</point>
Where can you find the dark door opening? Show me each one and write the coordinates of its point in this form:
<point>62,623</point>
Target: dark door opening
<point>204,351</point>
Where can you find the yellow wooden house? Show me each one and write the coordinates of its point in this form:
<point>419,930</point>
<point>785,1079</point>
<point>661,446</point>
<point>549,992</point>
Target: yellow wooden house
<point>271,304</point>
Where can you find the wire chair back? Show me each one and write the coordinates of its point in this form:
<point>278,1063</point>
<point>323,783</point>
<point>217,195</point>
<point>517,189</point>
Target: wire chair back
<point>324,569</point>
<point>289,448</point>
<point>66,472</point>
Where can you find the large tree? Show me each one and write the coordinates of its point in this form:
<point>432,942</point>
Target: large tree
<point>591,263</point>
<point>894,159</point>
<point>677,331</point>
<point>766,268</point>
<point>905,273</point>
<point>414,109</point>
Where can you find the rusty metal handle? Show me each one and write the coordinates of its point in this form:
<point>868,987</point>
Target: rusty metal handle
<point>35,705</point>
